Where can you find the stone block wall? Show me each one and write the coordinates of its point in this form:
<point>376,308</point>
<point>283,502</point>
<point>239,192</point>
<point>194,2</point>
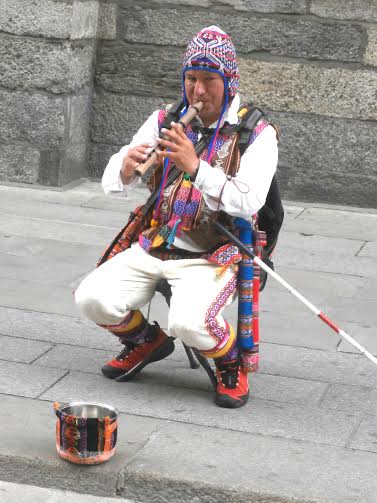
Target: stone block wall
<point>47,51</point>
<point>311,64</point>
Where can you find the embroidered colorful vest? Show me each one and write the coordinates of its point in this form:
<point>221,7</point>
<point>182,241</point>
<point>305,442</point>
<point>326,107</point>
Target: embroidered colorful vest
<point>191,207</point>
<point>183,209</point>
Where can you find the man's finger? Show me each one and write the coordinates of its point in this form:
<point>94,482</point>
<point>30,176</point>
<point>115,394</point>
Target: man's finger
<point>168,144</point>
<point>137,156</point>
<point>142,149</point>
<point>143,146</point>
<point>171,135</point>
<point>166,153</point>
<point>177,128</point>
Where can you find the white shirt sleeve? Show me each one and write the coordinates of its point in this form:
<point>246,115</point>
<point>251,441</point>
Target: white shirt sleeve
<point>148,133</point>
<point>244,194</point>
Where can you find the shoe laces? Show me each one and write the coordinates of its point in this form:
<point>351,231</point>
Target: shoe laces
<point>229,374</point>
<point>130,347</point>
<point>125,352</point>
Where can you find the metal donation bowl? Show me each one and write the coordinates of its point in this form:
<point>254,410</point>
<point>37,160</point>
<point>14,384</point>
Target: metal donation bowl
<point>86,432</point>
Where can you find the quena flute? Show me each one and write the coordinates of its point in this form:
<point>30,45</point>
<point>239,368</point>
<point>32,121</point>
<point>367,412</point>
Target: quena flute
<point>147,166</point>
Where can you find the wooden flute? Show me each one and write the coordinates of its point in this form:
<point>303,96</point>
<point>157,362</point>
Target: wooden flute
<point>146,168</point>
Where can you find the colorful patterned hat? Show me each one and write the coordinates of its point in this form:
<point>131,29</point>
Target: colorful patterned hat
<point>212,49</point>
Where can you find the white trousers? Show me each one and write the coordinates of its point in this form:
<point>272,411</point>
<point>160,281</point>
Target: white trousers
<point>128,282</point>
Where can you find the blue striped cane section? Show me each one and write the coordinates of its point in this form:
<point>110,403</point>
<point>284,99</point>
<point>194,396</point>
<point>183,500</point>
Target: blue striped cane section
<point>245,288</point>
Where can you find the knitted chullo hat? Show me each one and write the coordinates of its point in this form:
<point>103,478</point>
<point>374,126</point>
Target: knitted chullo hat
<point>212,49</point>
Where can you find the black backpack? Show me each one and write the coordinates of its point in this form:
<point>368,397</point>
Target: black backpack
<point>271,215</point>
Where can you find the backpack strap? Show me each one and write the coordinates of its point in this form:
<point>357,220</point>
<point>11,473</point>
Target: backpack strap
<point>270,219</point>
<point>270,216</point>
<point>247,125</point>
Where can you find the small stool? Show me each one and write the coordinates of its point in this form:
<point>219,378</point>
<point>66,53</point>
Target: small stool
<point>194,356</point>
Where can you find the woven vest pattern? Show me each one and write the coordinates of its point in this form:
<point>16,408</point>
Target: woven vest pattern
<point>196,215</point>
<point>183,208</point>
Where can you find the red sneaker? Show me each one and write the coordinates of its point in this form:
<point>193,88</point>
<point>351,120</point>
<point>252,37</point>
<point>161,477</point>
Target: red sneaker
<point>233,385</point>
<point>132,359</point>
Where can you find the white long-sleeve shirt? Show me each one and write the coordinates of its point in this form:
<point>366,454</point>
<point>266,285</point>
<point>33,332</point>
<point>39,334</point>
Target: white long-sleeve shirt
<point>242,197</point>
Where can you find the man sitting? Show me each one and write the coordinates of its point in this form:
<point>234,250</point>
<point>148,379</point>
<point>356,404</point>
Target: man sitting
<point>178,243</point>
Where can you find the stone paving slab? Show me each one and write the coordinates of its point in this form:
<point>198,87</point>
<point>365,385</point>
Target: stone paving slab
<point>27,380</point>
<point>282,302</point>
<point>351,398</point>
<point>122,202</point>
<point>73,197</point>
<point>45,271</point>
<point>315,286</point>
<point>39,326</point>
<point>289,240</point>
<point>87,195</point>
<point>76,358</point>
<point>73,253</point>
<point>21,350</point>
<point>88,187</point>
<point>304,471</point>
<point>176,372</point>
<point>364,334</point>
<point>168,402</point>
<point>59,230</point>
<point>120,205</point>
<point>277,299</point>
<point>368,290</point>
<point>369,250</point>
<point>362,311</point>
<point>326,206</point>
<point>345,224</point>
<point>33,296</point>
<point>48,212</point>
<point>365,438</point>
<point>20,493</point>
<point>263,386</point>
<point>334,262</point>
<point>318,365</point>
<point>292,211</point>
<point>295,329</point>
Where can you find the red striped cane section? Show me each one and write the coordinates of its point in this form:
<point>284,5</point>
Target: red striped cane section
<point>328,322</point>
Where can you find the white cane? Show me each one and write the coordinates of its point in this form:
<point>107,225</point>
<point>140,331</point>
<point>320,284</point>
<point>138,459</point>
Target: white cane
<point>293,291</point>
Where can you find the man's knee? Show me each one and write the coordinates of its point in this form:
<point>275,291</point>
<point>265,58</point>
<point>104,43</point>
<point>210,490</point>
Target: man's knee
<point>91,301</point>
<point>179,328</point>
<point>190,330</point>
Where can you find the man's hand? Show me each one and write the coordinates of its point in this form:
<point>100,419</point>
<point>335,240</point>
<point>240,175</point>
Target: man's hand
<point>135,156</point>
<point>181,150</point>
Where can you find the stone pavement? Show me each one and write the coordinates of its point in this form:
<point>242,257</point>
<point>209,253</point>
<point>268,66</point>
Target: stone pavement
<point>20,493</point>
<point>309,432</point>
